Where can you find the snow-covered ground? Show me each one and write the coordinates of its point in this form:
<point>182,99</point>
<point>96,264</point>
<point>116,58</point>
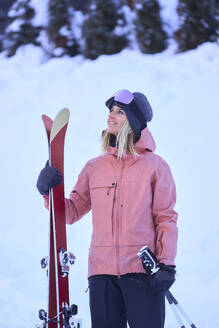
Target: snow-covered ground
<point>183,91</point>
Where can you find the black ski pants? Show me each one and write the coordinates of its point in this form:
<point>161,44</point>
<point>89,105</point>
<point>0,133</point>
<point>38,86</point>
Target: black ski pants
<point>114,301</point>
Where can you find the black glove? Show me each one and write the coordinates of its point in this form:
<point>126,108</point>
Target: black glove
<point>48,178</point>
<point>163,279</point>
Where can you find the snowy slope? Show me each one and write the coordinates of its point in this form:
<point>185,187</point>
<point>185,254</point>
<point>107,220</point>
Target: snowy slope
<point>183,91</point>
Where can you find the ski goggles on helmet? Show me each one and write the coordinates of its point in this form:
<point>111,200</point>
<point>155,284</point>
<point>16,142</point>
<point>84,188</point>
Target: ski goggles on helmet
<point>122,98</point>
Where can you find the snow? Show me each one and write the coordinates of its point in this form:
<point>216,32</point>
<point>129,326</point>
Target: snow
<point>77,23</point>
<point>169,14</point>
<point>41,12</point>
<point>183,91</point>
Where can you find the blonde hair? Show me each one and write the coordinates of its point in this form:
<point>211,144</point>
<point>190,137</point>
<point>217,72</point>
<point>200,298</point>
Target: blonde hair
<point>124,141</point>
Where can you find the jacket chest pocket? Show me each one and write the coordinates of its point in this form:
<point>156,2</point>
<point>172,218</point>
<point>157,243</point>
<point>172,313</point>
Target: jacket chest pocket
<point>103,186</point>
<point>102,205</point>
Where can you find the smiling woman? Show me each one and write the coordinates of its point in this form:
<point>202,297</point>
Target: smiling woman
<point>131,193</point>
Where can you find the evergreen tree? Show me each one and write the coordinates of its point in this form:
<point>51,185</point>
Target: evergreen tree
<point>215,10</point>
<point>60,28</point>
<point>20,31</point>
<point>130,3</point>
<point>150,33</point>
<point>5,6</point>
<point>81,5</point>
<point>198,23</point>
<point>103,29</point>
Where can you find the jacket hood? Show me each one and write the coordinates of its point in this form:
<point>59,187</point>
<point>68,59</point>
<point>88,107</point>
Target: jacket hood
<point>145,143</point>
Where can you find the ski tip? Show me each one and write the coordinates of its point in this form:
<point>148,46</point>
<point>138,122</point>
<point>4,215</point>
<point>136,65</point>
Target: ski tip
<point>64,110</point>
<point>60,121</point>
<point>46,119</point>
<point>47,124</point>
<point>64,113</point>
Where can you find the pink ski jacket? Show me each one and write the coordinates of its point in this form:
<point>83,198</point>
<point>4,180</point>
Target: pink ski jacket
<point>132,202</point>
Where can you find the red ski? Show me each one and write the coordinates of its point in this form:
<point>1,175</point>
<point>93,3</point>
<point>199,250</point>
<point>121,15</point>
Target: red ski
<point>60,314</point>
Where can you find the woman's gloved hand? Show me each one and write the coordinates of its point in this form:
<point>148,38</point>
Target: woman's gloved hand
<point>163,279</point>
<point>48,178</point>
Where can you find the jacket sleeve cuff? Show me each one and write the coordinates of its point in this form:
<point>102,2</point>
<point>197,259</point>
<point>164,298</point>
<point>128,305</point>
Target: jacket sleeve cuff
<point>46,201</point>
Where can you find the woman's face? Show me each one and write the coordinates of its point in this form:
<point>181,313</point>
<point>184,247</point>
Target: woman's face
<point>116,119</point>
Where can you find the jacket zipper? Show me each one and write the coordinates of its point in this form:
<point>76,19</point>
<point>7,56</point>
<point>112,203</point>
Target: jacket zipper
<point>114,198</point>
<point>118,219</point>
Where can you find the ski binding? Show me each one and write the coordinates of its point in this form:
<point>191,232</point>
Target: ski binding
<point>69,316</point>
<point>44,262</point>
<point>65,258</point>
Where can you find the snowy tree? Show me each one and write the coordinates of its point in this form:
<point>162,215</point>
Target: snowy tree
<point>80,5</point>
<point>60,28</point>
<point>104,29</point>
<point>198,23</point>
<point>215,9</point>
<point>130,3</point>
<point>150,33</point>
<point>5,6</point>
<point>20,31</point>
<point>3,23</point>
